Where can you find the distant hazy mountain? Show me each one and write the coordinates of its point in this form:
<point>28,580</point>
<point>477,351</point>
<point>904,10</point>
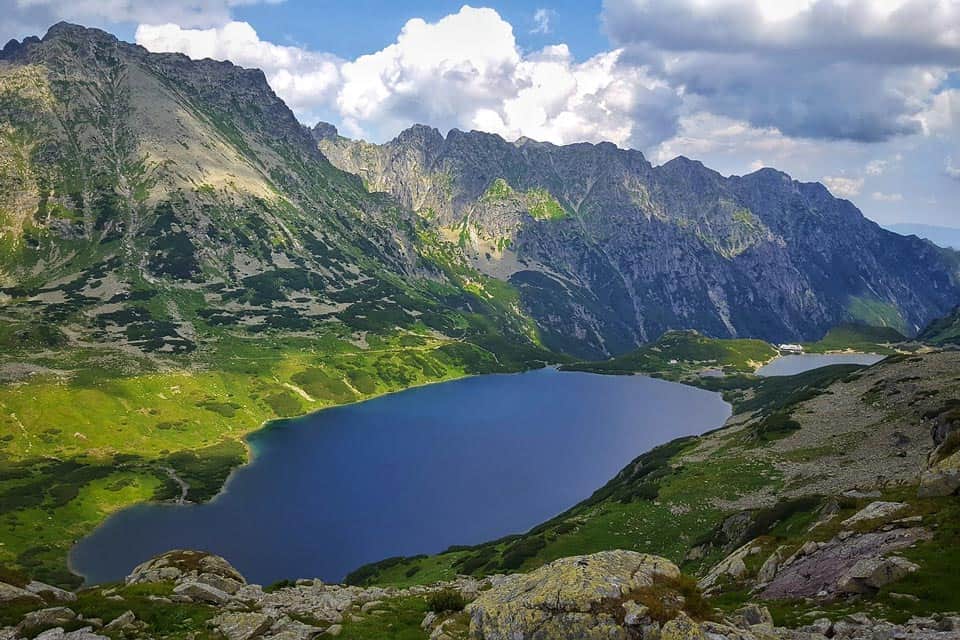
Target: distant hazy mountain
<point>942,236</point>
<point>609,251</point>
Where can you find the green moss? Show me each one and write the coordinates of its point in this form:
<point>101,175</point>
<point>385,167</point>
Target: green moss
<point>499,189</point>
<point>873,312</point>
<point>543,206</point>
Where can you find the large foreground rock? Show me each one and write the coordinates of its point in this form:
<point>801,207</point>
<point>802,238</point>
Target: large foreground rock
<point>239,625</point>
<point>10,593</point>
<point>936,483</point>
<point>579,597</point>
<point>192,572</point>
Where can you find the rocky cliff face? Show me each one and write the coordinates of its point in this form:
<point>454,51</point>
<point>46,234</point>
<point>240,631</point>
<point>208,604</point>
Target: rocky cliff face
<point>609,251</point>
<point>147,198</point>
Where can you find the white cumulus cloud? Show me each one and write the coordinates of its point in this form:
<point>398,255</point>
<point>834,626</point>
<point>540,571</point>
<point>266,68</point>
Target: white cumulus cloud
<point>465,70</point>
<point>32,17</point>
<point>886,197</point>
<point>541,21</point>
<point>831,69</point>
<point>843,187</point>
<point>302,78</point>
<point>951,169</point>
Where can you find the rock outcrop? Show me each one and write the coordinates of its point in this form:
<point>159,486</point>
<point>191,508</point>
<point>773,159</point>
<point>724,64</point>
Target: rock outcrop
<point>610,595</point>
<point>194,573</point>
<point>576,597</point>
<point>849,563</point>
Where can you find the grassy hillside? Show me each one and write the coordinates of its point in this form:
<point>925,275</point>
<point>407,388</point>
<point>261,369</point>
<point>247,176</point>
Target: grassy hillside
<point>858,337</point>
<point>783,462</point>
<point>178,265</point>
<point>683,354</point>
<point>943,331</point>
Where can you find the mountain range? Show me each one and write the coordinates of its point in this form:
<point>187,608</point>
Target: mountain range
<point>609,251</point>
<point>147,198</point>
<point>181,261</point>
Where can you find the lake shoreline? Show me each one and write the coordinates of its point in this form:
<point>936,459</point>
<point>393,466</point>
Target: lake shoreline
<point>559,408</point>
<point>251,453</point>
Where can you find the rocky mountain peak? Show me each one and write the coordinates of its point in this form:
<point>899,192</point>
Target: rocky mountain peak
<point>77,32</point>
<point>675,246</point>
<point>323,131</point>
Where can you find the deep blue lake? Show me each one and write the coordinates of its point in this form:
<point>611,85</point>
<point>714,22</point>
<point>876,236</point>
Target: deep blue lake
<point>460,462</point>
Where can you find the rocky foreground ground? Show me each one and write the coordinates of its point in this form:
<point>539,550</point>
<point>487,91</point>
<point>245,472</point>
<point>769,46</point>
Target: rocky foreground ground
<point>611,595</point>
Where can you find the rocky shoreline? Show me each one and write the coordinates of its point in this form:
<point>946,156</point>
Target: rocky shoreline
<point>614,595</point>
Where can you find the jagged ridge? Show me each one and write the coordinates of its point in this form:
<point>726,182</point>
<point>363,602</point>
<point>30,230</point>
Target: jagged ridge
<point>644,249</point>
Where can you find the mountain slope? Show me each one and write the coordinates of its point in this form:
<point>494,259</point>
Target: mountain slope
<point>609,251</point>
<point>763,507</point>
<point>192,186</point>
<point>180,264</point>
<point>942,236</point>
<point>945,330</point>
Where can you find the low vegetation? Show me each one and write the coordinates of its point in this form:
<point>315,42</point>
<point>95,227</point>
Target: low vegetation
<point>859,337</point>
<point>681,355</point>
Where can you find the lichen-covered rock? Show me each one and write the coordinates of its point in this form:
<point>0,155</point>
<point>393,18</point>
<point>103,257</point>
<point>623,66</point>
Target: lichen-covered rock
<point>576,597</point>
<point>200,592</point>
<point>875,511</point>
<point>45,619</point>
<point>125,621</point>
<point>935,483</point>
<point>753,614</point>
<point>181,565</point>
<point>733,566</point>
<point>50,592</point>
<point>768,571</point>
<point>682,628</point>
<point>870,574</point>
<point>86,633</point>
<point>10,593</point>
<point>239,625</point>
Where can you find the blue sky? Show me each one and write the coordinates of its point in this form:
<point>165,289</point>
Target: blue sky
<point>862,95</point>
<point>320,24</point>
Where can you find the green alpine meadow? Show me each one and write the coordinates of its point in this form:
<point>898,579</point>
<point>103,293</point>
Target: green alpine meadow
<point>633,397</point>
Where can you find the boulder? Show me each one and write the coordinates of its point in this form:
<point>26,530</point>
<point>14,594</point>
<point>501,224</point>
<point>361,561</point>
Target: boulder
<point>288,629</point>
<point>576,597</point>
<point>635,614</point>
<point>238,625</point>
<point>224,583</point>
<point>200,592</point>
<point>753,614</point>
<point>45,619</point>
<point>367,607</point>
<point>50,592</point>
<point>732,566</point>
<point>870,574</point>
<point>878,510</point>
<point>428,620</point>
<point>179,565</point>
<point>121,623</point>
<point>768,571</point>
<point>682,628</point>
<point>57,633</point>
<point>935,483</point>
<point>10,593</point>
